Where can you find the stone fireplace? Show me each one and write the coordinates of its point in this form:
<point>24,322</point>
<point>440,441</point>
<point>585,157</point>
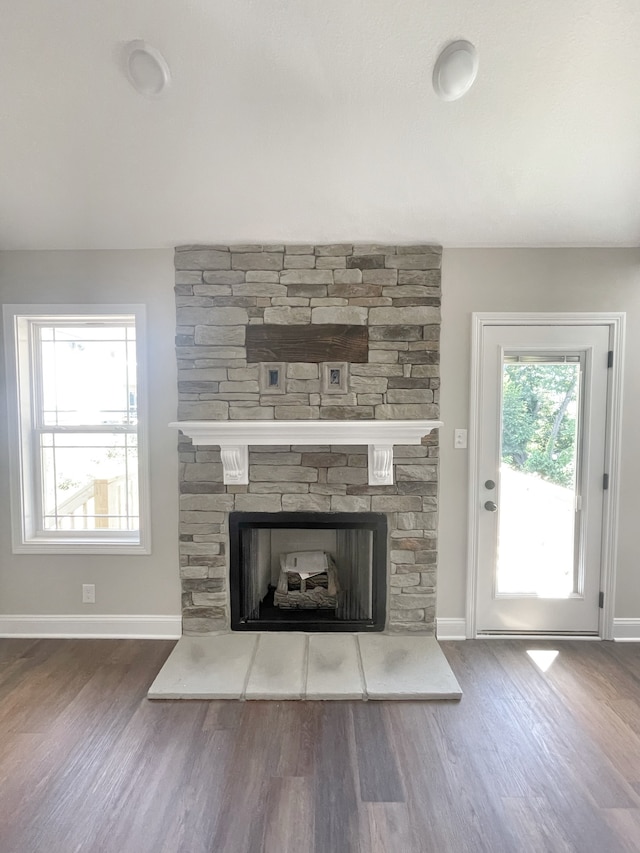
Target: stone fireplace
<point>271,335</point>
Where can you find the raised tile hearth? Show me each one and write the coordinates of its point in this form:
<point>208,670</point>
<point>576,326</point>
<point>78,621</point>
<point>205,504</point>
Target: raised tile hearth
<point>281,666</point>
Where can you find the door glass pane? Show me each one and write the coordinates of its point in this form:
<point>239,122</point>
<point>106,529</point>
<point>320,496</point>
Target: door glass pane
<point>538,476</point>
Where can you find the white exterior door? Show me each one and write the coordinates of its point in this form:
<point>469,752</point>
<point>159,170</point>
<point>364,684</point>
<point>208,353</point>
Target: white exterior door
<point>542,422</point>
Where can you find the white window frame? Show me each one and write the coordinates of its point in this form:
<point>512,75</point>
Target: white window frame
<point>27,538</point>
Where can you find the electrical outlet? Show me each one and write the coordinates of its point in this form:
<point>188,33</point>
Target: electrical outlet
<point>460,439</point>
<point>88,593</point>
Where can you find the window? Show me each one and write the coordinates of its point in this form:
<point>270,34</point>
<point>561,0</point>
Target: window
<point>77,416</point>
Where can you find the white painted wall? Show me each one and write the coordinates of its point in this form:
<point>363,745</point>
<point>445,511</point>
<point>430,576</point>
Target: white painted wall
<point>473,280</point>
<point>533,280</point>
<point>147,585</point>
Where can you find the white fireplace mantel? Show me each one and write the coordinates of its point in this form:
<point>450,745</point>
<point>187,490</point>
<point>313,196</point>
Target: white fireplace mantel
<point>234,438</point>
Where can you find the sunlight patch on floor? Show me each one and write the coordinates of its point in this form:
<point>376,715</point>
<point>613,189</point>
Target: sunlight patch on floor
<point>543,658</point>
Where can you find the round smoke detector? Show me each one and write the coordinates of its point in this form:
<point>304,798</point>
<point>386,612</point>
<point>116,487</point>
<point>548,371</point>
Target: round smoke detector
<point>455,70</point>
<point>146,68</point>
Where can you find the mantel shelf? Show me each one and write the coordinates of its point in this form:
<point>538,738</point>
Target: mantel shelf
<point>234,438</point>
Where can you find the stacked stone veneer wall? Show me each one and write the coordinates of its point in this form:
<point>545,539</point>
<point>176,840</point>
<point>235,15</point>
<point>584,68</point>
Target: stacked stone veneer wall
<point>395,293</point>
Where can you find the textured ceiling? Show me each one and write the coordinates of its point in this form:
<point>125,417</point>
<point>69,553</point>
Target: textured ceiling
<point>315,120</point>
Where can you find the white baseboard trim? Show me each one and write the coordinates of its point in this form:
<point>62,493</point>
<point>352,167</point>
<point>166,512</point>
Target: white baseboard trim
<point>451,629</point>
<point>626,630</point>
<point>96,626</point>
<point>170,627</point>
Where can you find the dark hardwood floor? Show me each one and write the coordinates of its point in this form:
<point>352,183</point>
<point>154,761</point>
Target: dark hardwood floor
<point>527,762</point>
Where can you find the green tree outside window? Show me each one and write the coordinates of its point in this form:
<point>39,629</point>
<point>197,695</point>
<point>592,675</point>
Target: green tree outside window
<point>539,410</point>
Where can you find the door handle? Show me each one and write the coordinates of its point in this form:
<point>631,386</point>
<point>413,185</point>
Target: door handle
<point>491,506</point>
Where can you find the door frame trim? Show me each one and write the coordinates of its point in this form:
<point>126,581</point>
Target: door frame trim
<point>616,323</point>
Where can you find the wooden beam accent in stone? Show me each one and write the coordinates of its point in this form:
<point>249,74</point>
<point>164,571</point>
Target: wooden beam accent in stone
<point>309,343</point>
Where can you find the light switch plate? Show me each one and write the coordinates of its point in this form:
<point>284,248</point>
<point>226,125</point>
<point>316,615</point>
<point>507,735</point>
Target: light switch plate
<point>460,439</point>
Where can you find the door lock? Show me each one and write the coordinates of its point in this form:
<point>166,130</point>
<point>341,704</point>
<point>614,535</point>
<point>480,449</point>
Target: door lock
<point>489,484</point>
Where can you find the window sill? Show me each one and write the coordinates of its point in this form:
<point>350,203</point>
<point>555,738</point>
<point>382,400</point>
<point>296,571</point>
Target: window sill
<point>84,546</point>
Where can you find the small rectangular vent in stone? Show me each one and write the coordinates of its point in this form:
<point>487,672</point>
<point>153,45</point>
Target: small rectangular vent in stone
<point>335,377</point>
<point>272,376</point>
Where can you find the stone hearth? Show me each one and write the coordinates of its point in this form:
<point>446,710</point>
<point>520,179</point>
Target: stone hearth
<point>320,333</point>
<point>306,666</point>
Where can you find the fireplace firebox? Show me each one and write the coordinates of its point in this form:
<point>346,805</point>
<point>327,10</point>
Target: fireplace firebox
<point>308,571</point>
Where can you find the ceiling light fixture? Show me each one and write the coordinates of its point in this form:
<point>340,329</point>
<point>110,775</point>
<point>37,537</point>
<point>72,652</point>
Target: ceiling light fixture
<point>455,70</point>
<point>146,68</point>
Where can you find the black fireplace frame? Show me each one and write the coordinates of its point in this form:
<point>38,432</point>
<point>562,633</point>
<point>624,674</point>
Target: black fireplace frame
<point>375,522</point>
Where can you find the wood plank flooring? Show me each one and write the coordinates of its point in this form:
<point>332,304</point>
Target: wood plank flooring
<point>526,762</point>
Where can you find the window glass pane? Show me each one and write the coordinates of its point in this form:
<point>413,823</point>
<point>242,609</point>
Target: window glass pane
<point>89,482</point>
<point>80,332</point>
<point>88,375</point>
